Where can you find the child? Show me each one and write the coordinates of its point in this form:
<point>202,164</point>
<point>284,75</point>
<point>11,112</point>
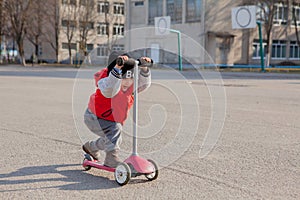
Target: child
<point>109,105</point>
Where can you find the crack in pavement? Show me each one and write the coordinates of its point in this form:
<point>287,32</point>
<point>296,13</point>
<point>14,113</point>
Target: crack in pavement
<point>218,182</point>
<point>40,137</point>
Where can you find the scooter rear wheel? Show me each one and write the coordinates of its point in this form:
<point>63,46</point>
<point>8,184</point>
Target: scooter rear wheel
<point>89,158</point>
<point>87,167</point>
<point>122,174</point>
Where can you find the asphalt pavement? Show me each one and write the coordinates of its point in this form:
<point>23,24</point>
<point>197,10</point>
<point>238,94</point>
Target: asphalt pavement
<point>229,135</point>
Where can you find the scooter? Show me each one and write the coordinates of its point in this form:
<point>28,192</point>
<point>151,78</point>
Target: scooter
<point>134,165</point>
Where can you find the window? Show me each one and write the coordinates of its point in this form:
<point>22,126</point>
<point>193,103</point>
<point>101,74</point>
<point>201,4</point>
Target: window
<point>86,25</point>
<point>193,10</point>
<point>89,47</point>
<point>118,47</point>
<point>102,50</point>
<point>86,2</point>
<point>294,50</point>
<point>256,49</point>
<point>68,23</point>
<point>102,29</point>
<point>118,29</point>
<point>119,8</point>
<point>40,50</point>
<point>89,3</point>
<point>64,23</point>
<point>103,7</point>
<point>155,10</point>
<point>174,10</point>
<point>66,46</point>
<point>73,2</point>
<point>279,49</point>
<point>83,2</point>
<point>280,14</point>
<point>260,12</point>
<point>296,14</point>
<point>138,3</point>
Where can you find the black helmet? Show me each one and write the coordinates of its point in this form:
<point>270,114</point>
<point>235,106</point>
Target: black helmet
<point>112,59</point>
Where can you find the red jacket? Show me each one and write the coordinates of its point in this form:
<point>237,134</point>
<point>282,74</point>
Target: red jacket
<point>113,109</point>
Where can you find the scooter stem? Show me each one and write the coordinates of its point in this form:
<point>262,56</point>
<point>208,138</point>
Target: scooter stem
<point>135,108</point>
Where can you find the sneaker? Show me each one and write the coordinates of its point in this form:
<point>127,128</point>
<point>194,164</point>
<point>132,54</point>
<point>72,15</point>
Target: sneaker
<point>112,159</point>
<point>87,149</point>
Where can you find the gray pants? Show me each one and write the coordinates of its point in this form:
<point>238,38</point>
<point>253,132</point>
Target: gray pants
<point>109,132</point>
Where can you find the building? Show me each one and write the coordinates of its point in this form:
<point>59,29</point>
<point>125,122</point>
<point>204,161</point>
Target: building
<point>206,31</point>
<point>76,27</point>
<point>185,16</point>
<point>208,23</point>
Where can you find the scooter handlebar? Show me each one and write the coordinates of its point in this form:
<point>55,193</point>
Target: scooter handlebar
<point>144,63</point>
<point>132,62</point>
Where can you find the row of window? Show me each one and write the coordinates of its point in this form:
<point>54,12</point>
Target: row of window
<point>118,8</point>
<point>73,46</point>
<point>102,49</point>
<point>174,9</point>
<point>279,49</point>
<point>102,6</point>
<point>102,28</point>
<point>73,24</point>
<point>281,13</point>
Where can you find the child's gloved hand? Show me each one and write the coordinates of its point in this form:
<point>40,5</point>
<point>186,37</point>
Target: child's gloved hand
<point>120,61</point>
<point>144,63</point>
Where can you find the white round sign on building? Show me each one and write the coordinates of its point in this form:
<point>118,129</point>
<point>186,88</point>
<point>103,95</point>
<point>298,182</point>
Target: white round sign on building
<point>162,25</point>
<point>243,17</point>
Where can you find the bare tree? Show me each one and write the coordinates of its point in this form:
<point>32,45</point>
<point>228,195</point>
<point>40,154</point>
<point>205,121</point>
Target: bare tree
<point>295,18</point>
<point>69,24</point>
<point>34,30</point>
<point>86,23</point>
<point>17,12</point>
<point>267,11</point>
<point>52,30</point>
<point>113,15</point>
<point>266,16</point>
<point>1,26</point>
<point>270,11</point>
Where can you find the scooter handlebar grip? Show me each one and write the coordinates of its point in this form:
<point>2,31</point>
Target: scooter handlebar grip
<point>144,63</point>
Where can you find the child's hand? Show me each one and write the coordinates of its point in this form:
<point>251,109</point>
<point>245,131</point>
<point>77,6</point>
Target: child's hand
<point>124,58</point>
<point>144,62</point>
<point>146,59</point>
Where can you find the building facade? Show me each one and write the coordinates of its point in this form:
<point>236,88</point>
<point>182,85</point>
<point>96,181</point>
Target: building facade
<point>209,23</point>
<point>207,36</point>
<point>80,26</point>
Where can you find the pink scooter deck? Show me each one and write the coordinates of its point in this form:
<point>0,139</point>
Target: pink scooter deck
<point>96,164</point>
<point>139,164</point>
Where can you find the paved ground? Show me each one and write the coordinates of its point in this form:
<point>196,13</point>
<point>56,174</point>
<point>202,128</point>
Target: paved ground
<point>257,155</point>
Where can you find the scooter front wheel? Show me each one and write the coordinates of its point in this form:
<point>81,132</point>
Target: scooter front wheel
<point>122,174</point>
<point>152,176</point>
